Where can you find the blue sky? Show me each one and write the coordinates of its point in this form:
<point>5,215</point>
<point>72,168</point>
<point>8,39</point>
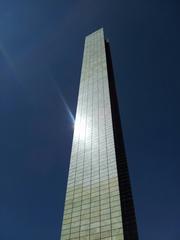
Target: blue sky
<point>41,46</point>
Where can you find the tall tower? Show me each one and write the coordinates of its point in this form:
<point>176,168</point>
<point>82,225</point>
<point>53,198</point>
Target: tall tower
<point>98,201</point>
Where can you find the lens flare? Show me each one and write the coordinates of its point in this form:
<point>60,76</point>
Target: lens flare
<point>62,99</point>
<point>81,129</point>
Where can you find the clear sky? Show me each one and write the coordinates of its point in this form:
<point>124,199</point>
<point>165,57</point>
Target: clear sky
<point>41,46</point>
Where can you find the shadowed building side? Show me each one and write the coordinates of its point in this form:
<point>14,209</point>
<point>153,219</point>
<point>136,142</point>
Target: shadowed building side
<point>127,205</point>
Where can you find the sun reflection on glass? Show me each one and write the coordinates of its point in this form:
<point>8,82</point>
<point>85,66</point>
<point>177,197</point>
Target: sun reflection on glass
<point>81,130</point>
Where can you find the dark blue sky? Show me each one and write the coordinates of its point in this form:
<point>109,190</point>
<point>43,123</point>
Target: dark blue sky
<point>41,46</point>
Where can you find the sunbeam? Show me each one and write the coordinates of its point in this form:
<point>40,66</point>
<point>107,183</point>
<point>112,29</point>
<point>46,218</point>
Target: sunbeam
<point>66,105</point>
<point>7,58</point>
<point>63,99</point>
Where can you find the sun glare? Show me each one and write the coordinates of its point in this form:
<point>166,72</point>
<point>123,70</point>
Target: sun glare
<point>80,128</point>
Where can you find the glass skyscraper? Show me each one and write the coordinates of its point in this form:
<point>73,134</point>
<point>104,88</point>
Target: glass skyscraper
<point>98,201</point>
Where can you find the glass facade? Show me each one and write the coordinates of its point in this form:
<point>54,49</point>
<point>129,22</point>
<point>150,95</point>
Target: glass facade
<point>93,205</point>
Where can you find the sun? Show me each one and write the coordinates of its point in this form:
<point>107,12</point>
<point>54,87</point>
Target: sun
<point>81,131</point>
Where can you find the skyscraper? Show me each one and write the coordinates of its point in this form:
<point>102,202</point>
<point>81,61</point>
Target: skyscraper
<point>98,201</point>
